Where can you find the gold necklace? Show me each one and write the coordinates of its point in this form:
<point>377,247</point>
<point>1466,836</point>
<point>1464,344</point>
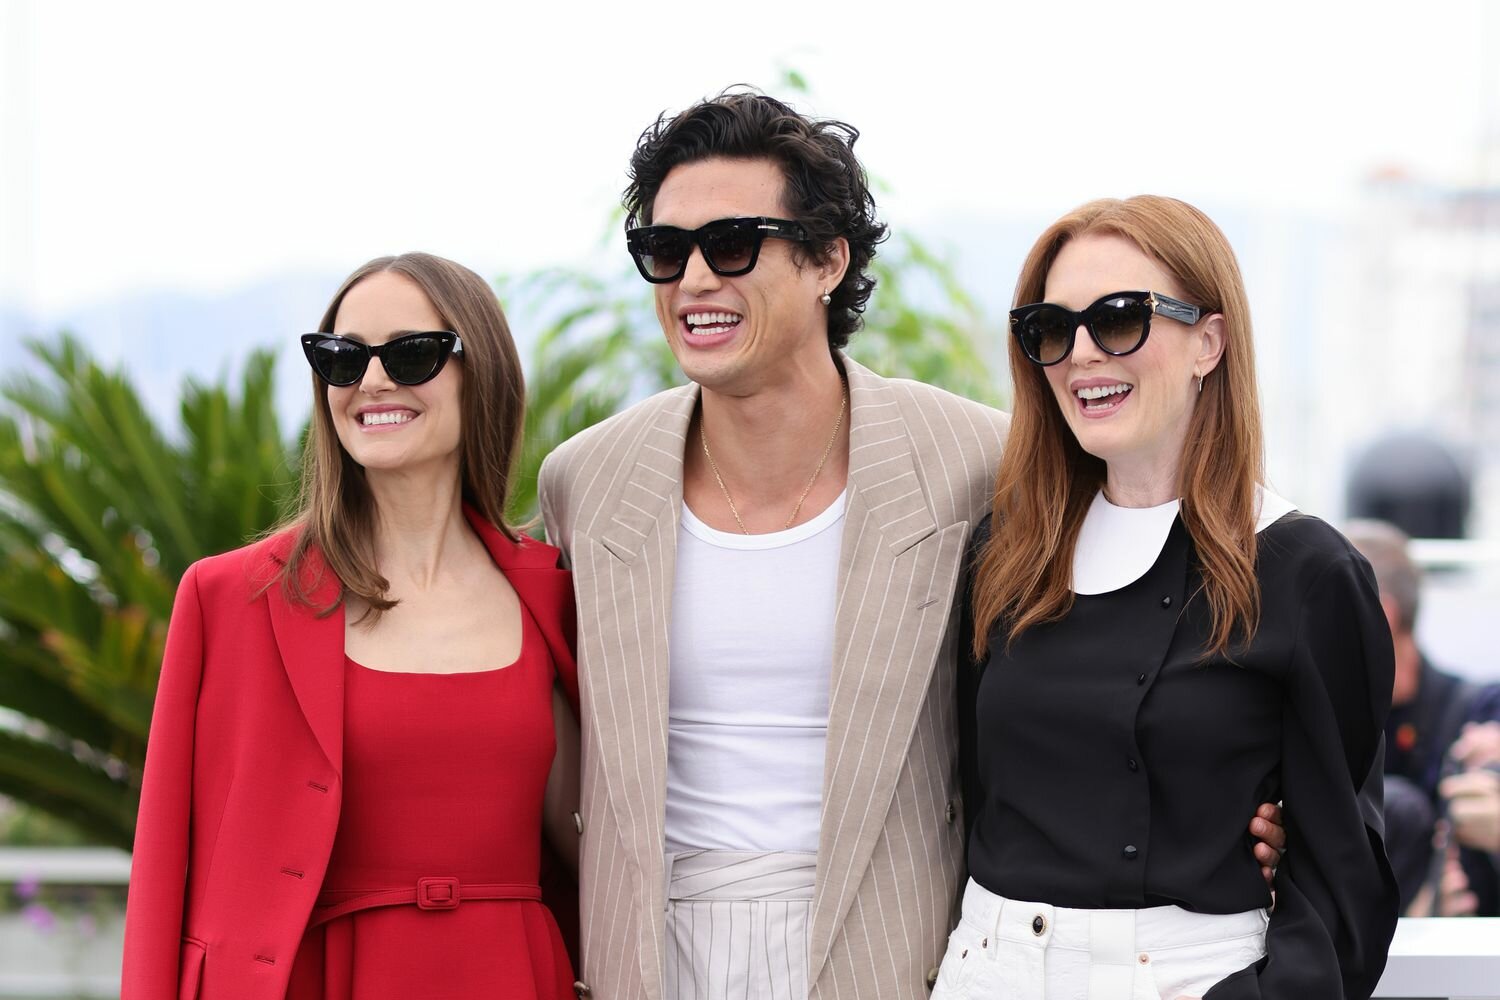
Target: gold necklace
<point>827,450</point>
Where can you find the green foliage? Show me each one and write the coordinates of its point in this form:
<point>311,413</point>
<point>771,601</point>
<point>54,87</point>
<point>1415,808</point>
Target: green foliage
<point>27,826</point>
<point>922,324</point>
<point>100,514</point>
<point>597,350</point>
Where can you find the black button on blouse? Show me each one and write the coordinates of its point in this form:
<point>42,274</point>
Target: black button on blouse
<point>1297,716</point>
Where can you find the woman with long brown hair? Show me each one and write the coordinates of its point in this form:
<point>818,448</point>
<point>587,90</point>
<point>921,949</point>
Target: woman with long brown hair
<point>365,722</point>
<point>1161,642</point>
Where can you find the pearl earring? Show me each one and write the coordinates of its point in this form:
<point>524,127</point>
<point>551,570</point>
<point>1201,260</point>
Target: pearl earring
<point>826,298</point>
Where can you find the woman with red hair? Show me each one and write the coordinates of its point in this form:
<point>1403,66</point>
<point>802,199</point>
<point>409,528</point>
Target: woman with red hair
<point>1161,644</point>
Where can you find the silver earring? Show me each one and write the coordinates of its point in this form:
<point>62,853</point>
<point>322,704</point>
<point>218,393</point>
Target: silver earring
<point>826,299</point>
<point>1200,383</point>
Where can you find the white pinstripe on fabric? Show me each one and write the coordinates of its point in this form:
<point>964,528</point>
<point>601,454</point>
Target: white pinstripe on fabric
<point>922,466</point>
<point>737,925</point>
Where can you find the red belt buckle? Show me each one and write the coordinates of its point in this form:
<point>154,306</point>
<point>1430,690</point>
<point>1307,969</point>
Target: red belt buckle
<point>437,894</point>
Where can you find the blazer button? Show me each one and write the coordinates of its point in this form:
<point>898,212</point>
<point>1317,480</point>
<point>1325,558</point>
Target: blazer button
<point>932,975</point>
<point>950,813</point>
<point>1130,852</point>
<point>581,989</point>
<point>578,823</point>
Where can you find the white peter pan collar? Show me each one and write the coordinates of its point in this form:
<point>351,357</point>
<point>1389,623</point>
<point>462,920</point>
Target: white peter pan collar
<point>1117,545</point>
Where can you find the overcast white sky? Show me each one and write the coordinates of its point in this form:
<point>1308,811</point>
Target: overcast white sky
<point>202,146</point>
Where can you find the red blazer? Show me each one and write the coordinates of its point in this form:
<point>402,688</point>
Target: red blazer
<point>241,795</point>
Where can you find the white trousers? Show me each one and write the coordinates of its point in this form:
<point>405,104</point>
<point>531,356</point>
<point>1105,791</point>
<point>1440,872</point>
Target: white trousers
<point>1007,949</point>
<point>737,925</point>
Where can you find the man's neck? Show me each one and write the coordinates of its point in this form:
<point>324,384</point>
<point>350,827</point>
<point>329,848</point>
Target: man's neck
<point>765,447</point>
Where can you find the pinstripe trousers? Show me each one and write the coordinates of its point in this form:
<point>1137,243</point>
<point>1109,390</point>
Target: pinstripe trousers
<point>737,925</point>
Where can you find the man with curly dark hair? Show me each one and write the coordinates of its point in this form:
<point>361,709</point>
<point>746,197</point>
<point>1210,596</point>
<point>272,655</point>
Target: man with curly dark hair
<point>765,563</point>
<point>754,822</point>
<point>823,186</point>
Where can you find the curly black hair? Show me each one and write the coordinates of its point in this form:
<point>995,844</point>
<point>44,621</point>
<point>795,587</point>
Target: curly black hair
<point>826,188</point>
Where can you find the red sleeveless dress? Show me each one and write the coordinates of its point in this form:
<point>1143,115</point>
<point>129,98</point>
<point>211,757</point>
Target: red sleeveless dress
<point>431,889</point>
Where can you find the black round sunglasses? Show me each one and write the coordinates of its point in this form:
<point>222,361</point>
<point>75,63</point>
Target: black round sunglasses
<point>409,359</point>
<point>1118,322</point>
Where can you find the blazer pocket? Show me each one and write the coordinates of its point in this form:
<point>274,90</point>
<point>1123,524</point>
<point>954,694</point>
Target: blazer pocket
<point>191,966</point>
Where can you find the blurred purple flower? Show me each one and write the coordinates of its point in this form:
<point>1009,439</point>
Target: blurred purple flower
<point>40,917</point>
<point>27,886</point>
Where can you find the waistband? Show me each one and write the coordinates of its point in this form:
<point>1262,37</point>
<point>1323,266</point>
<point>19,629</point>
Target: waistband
<point>1150,929</point>
<point>786,875</point>
<point>434,893</point>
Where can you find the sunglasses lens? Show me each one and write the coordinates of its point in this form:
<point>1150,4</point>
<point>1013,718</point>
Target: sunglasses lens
<point>1045,334</point>
<point>730,246</point>
<point>338,362</point>
<point>1118,324</point>
<point>413,360</point>
<point>662,251</point>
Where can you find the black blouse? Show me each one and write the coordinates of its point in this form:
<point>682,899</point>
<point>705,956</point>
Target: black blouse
<point>1108,765</point>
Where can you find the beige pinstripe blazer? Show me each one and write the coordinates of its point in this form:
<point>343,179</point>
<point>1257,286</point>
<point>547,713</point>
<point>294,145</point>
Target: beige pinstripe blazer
<point>921,471</point>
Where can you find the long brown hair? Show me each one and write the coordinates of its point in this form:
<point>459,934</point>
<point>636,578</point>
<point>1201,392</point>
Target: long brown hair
<point>336,511</point>
<point>1047,481</point>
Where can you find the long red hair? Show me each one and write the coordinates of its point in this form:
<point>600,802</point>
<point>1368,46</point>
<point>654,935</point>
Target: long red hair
<point>1047,481</point>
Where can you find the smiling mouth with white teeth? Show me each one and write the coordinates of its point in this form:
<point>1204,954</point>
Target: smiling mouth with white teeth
<point>386,417</point>
<point>707,324</point>
<point>1103,397</point>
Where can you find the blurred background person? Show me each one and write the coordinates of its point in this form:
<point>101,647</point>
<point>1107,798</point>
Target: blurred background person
<point>1430,709</point>
<point>1473,795</point>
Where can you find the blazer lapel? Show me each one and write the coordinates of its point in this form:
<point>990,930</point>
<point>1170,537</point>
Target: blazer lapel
<point>312,648</point>
<point>623,573</point>
<point>654,482</point>
<point>897,574</point>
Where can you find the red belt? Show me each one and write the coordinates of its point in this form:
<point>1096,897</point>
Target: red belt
<point>427,894</point>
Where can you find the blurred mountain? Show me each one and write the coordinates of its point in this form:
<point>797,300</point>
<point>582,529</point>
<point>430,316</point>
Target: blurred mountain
<point>162,337</point>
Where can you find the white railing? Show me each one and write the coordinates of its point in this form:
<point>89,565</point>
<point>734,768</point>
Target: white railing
<point>1449,957</point>
<point>64,865</point>
<point>1454,553</point>
<point>1433,959</point>
<point>73,956</point>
